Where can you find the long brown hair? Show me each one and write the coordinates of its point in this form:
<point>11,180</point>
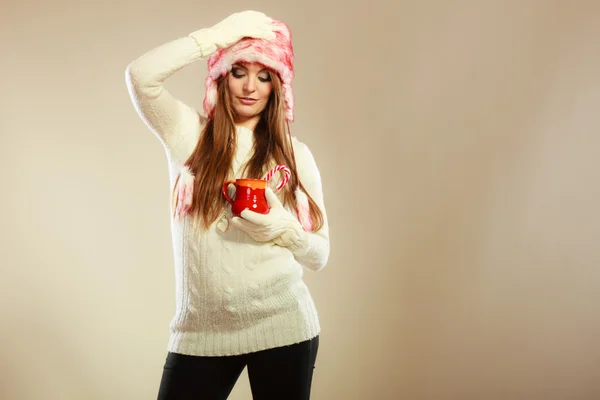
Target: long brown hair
<point>211,161</point>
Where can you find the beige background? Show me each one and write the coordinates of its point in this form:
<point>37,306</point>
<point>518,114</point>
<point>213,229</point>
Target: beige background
<point>458,144</point>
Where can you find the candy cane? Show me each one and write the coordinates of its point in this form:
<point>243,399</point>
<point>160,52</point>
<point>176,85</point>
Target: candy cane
<point>286,178</point>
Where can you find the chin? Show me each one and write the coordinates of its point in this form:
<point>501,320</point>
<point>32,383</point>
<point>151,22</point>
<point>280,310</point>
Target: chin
<point>244,112</point>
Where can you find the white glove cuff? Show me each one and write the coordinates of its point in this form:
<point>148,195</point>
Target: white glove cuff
<point>205,40</point>
<point>297,240</point>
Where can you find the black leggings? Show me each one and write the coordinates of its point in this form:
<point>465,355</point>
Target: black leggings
<point>279,373</point>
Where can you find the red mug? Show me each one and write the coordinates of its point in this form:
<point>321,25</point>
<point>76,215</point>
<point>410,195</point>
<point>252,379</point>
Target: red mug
<point>249,195</point>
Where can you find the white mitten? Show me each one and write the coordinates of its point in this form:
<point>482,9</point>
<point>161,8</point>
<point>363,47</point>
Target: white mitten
<point>279,225</point>
<point>233,28</point>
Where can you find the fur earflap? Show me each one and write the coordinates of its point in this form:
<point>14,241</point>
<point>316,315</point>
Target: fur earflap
<point>303,210</point>
<point>184,191</point>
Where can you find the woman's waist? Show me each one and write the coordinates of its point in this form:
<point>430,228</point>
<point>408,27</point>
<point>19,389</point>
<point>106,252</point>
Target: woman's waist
<point>240,274</point>
<point>230,296</point>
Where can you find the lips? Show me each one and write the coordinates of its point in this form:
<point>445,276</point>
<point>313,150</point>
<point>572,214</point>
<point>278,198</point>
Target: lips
<point>247,100</point>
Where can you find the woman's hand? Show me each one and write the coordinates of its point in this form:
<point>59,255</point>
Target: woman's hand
<point>279,225</point>
<point>239,25</point>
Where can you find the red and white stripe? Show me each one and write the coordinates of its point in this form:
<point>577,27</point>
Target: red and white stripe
<point>285,179</point>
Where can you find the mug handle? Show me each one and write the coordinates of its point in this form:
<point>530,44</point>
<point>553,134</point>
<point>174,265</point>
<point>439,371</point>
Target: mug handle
<point>224,190</point>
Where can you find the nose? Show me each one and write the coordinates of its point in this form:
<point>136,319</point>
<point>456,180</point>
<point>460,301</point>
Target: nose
<point>250,85</point>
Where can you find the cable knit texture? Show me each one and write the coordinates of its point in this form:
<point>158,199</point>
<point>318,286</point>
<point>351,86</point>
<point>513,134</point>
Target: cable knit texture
<point>234,295</point>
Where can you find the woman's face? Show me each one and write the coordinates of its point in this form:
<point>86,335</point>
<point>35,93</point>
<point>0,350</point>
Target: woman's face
<point>249,89</point>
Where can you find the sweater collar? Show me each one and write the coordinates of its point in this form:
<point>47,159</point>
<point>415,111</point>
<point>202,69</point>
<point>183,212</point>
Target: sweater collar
<point>245,136</point>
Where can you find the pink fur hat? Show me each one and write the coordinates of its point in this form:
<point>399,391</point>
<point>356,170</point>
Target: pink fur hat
<point>276,54</point>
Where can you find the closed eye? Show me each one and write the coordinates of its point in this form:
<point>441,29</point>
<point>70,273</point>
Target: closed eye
<point>236,72</point>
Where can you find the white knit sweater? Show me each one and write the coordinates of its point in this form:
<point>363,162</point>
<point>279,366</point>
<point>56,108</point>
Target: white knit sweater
<point>233,295</point>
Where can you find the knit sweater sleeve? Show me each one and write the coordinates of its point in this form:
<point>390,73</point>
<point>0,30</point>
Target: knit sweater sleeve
<point>165,115</point>
<point>312,253</point>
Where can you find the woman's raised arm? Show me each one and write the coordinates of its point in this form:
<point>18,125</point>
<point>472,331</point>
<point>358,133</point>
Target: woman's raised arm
<point>164,114</point>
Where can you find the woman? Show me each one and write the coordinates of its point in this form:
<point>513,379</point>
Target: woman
<point>240,297</point>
